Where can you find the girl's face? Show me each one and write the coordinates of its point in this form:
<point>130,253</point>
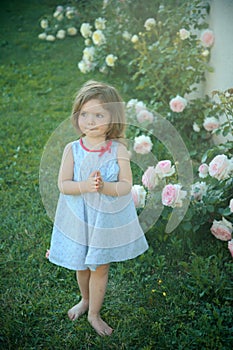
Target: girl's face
<point>93,119</point>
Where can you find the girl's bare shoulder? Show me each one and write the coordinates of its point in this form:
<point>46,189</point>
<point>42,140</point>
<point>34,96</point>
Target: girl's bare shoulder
<point>122,151</point>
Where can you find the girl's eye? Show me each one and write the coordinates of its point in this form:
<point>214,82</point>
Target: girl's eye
<point>83,114</point>
<point>99,116</point>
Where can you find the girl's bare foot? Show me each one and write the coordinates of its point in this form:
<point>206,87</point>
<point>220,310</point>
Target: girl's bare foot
<point>78,310</point>
<point>101,327</point>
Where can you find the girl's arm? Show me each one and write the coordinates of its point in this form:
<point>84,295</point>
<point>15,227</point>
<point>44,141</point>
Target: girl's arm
<point>124,184</point>
<point>66,184</point>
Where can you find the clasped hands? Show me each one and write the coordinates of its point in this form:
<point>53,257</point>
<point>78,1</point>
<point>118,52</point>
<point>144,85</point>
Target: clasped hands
<point>95,182</point>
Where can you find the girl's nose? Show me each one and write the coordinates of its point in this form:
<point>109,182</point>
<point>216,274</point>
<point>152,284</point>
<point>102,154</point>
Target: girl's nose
<point>91,119</point>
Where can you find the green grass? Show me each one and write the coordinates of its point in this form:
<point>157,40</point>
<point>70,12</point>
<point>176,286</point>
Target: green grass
<point>176,296</point>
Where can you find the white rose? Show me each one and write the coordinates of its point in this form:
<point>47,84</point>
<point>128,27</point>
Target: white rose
<point>203,170</point>
<point>110,60</point>
<point>58,10</point>
<point>42,36</point>
<point>44,23</point>
<point>85,30</point>
<point>56,13</point>
<point>150,23</point>
<point>85,66</point>
<point>87,42</point>
<point>100,23</point>
<point>88,53</point>
<point>61,34</point>
<point>70,14</point>
<point>72,31</point>
<point>134,39</point>
<point>139,106</point>
<point>60,17</point>
<point>205,53</point>
<point>98,37</point>
<point>196,127</point>
<point>50,38</point>
<point>184,34</point>
<point>131,103</point>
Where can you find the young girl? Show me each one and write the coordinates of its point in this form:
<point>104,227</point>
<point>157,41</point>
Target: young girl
<point>96,221</point>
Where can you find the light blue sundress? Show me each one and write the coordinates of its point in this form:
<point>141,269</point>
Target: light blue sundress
<point>92,229</point>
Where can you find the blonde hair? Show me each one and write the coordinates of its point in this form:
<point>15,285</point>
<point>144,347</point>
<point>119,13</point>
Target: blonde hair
<point>112,101</point>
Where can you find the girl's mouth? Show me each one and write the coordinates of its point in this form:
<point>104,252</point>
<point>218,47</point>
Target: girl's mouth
<point>92,129</point>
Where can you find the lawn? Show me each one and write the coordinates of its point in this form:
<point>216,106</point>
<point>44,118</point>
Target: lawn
<point>178,295</point>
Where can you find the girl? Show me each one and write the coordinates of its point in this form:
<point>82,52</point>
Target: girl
<point>96,221</point>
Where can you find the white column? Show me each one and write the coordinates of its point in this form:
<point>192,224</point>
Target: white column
<point>221,22</point>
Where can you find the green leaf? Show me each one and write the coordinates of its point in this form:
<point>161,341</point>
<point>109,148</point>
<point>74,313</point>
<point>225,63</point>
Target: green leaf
<point>210,208</point>
<point>187,226</point>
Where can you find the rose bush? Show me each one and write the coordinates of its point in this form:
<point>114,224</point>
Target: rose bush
<point>211,202</point>
<point>64,21</point>
<point>164,54</point>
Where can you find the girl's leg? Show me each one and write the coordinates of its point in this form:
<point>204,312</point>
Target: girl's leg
<point>79,309</point>
<point>97,288</point>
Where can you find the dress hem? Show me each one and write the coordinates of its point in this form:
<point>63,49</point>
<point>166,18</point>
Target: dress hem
<point>97,264</point>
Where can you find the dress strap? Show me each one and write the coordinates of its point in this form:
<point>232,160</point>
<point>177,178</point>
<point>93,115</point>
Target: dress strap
<point>107,148</point>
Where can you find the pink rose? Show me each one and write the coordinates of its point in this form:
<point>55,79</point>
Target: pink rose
<point>211,123</point>
<point>164,168</point>
<point>47,253</point>
<point>230,247</point>
<point>172,195</point>
<point>142,144</point>
<point>220,167</point>
<point>203,170</point>
<point>149,178</point>
<point>139,196</point>
<point>145,115</point>
<point>178,104</point>
<point>222,229</point>
<point>207,38</point>
<point>231,205</point>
